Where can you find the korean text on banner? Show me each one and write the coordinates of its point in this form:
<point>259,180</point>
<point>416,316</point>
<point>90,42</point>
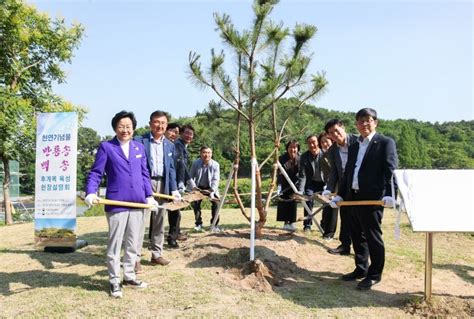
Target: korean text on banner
<point>55,185</point>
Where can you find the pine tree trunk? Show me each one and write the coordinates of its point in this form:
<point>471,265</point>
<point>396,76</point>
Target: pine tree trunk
<point>6,192</point>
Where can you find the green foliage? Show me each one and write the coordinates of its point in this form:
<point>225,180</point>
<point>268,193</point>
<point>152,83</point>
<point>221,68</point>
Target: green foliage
<point>96,210</point>
<point>87,142</point>
<point>264,74</point>
<point>54,233</point>
<point>32,49</point>
<point>23,215</point>
<point>141,131</point>
<point>420,144</point>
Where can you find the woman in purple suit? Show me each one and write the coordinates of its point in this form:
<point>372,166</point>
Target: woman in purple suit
<point>124,163</point>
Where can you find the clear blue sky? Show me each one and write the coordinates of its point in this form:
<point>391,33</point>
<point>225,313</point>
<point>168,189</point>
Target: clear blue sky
<point>407,59</point>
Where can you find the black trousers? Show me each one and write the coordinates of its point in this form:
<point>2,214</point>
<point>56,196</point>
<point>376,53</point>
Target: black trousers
<point>286,211</point>
<point>329,221</point>
<point>345,231</point>
<point>309,190</point>
<point>198,212</point>
<point>366,233</point>
<point>174,220</point>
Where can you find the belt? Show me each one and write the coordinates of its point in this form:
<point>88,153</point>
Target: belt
<point>157,178</point>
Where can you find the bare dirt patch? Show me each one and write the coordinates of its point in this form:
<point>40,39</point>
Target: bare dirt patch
<point>286,262</point>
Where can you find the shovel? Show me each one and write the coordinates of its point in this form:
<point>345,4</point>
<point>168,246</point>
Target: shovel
<point>185,200</point>
<point>103,201</point>
<point>205,193</point>
<point>169,206</point>
<point>360,203</point>
<point>342,203</point>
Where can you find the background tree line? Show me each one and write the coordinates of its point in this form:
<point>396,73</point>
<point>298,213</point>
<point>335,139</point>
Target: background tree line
<point>420,144</point>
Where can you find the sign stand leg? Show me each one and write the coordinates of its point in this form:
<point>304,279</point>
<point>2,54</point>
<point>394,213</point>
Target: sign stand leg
<point>428,265</point>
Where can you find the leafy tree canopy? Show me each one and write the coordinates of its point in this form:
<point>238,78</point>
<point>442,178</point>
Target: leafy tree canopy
<point>33,48</point>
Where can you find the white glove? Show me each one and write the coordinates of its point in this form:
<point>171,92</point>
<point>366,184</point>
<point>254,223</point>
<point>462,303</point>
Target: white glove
<point>151,201</point>
<point>388,201</point>
<point>90,199</point>
<point>191,184</point>
<point>213,195</point>
<point>189,187</point>
<point>181,188</point>
<point>279,190</point>
<point>326,193</point>
<point>177,196</point>
<point>335,200</point>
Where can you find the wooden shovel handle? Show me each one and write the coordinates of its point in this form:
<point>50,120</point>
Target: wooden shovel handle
<point>361,203</point>
<point>122,203</point>
<point>164,196</point>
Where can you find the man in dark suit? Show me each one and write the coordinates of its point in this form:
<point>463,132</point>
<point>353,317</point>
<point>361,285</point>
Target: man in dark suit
<point>368,174</point>
<point>329,216</point>
<point>160,154</point>
<point>172,131</point>
<point>310,177</point>
<point>337,155</point>
<point>181,158</point>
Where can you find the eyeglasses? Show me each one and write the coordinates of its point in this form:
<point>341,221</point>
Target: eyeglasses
<point>124,128</point>
<point>366,121</point>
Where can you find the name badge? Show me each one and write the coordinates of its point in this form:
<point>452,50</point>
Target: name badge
<point>138,156</point>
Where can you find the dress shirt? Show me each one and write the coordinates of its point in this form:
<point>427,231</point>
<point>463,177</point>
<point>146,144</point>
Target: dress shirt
<point>204,181</point>
<point>343,153</point>
<point>125,146</point>
<point>156,154</point>
<point>363,144</point>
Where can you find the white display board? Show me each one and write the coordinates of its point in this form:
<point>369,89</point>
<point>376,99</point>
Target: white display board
<point>438,200</point>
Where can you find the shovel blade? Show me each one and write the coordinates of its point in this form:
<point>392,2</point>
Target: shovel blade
<point>175,206</point>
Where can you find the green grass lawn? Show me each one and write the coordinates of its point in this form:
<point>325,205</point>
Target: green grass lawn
<point>205,277</point>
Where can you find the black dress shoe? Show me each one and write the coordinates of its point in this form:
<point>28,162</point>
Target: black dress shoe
<point>367,283</point>
<point>173,243</point>
<point>340,250</point>
<point>353,276</point>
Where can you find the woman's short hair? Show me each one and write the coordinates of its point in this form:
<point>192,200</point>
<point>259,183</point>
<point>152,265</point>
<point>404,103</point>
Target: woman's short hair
<point>123,114</point>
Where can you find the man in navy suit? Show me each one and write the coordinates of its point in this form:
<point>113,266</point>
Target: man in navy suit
<point>160,154</point>
<point>368,174</point>
<point>182,163</point>
<point>125,163</point>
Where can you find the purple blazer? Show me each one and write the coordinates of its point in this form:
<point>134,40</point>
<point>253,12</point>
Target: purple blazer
<point>127,179</point>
